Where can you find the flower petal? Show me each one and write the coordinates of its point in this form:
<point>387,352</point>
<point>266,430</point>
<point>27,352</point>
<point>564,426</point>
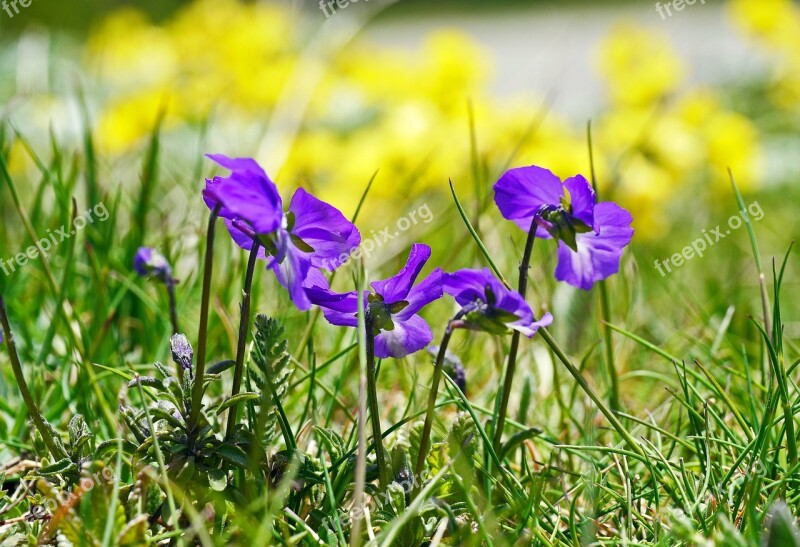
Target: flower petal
<point>582,198</point>
<point>598,255</point>
<point>243,240</point>
<point>291,274</point>
<point>408,336</point>
<point>422,294</point>
<point>530,328</point>
<point>396,288</point>
<point>324,228</point>
<point>522,191</point>
<point>339,308</point>
<point>247,193</point>
<point>467,285</point>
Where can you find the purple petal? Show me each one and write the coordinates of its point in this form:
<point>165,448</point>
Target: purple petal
<point>339,308</point>
<point>325,229</point>
<point>408,336</point>
<point>582,198</point>
<point>315,278</point>
<point>247,193</point>
<point>531,327</point>
<point>467,285</point>
<point>242,239</point>
<point>598,254</point>
<point>522,191</point>
<point>291,274</point>
<point>422,294</point>
<point>396,288</point>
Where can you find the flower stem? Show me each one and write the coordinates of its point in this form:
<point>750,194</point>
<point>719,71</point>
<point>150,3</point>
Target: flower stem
<point>37,417</point>
<point>200,367</point>
<point>605,308</point>
<point>425,441</point>
<point>508,379</point>
<point>605,315</point>
<point>173,314</point>
<point>173,317</point>
<point>384,473</point>
<point>244,328</point>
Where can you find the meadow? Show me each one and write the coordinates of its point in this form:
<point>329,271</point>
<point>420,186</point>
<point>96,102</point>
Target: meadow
<point>264,282</point>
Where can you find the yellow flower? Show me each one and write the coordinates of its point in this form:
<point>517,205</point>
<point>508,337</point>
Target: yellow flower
<point>639,66</point>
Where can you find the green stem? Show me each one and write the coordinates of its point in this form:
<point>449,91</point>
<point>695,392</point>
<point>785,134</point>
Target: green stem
<point>605,308</point>
<point>37,417</point>
<point>372,400</point>
<point>425,441</point>
<point>173,317</point>
<point>173,313</point>
<point>605,315</point>
<point>244,328</point>
<point>200,366</point>
<point>515,338</point>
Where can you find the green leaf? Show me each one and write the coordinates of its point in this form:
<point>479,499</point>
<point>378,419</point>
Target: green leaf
<point>61,466</point>
<point>147,381</point>
<point>332,442</point>
<point>222,366</point>
<point>236,399</point>
<point>233,455</point>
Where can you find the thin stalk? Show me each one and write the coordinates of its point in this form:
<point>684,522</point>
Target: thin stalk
<point>361,457</point>
<point>244,328</point>
<point>605,306</point>
<point>37,417</point>
<point>173,317</point>
<point>372,400</point>
<point>425,442</point>
<point>173,313</point>
<point>200,366</point>
<point>508,379</point>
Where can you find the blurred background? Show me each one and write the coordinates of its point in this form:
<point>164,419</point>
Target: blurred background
<point>421,93</point>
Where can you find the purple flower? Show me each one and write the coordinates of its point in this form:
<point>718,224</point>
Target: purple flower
<point>392,306</point>
<point>149,262</point>
<point>311,234</point>
<point>247,193</point>
<point>590,235</point>
<point>489,306</point>
<point>182,352</point>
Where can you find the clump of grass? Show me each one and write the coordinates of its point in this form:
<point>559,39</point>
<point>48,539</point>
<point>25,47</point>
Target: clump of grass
<point>266,442</point>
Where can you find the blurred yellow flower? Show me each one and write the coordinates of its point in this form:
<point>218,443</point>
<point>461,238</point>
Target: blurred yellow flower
<point>638,65</point>
<point>404,113</point>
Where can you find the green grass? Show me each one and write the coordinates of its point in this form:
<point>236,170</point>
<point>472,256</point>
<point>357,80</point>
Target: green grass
<point>702,446</point>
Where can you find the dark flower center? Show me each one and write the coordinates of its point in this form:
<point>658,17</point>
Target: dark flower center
<point>379,314</point>
<point>560,223</point>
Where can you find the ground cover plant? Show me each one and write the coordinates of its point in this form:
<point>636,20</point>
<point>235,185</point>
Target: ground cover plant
<point>526,346</point>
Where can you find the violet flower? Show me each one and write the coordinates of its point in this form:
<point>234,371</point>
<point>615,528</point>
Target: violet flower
<point>392,306</point>
<point>311,234</point>
<point>590,235</point>
<point>182,352</point>
<point>149,262</point>
<point>487,305</point>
